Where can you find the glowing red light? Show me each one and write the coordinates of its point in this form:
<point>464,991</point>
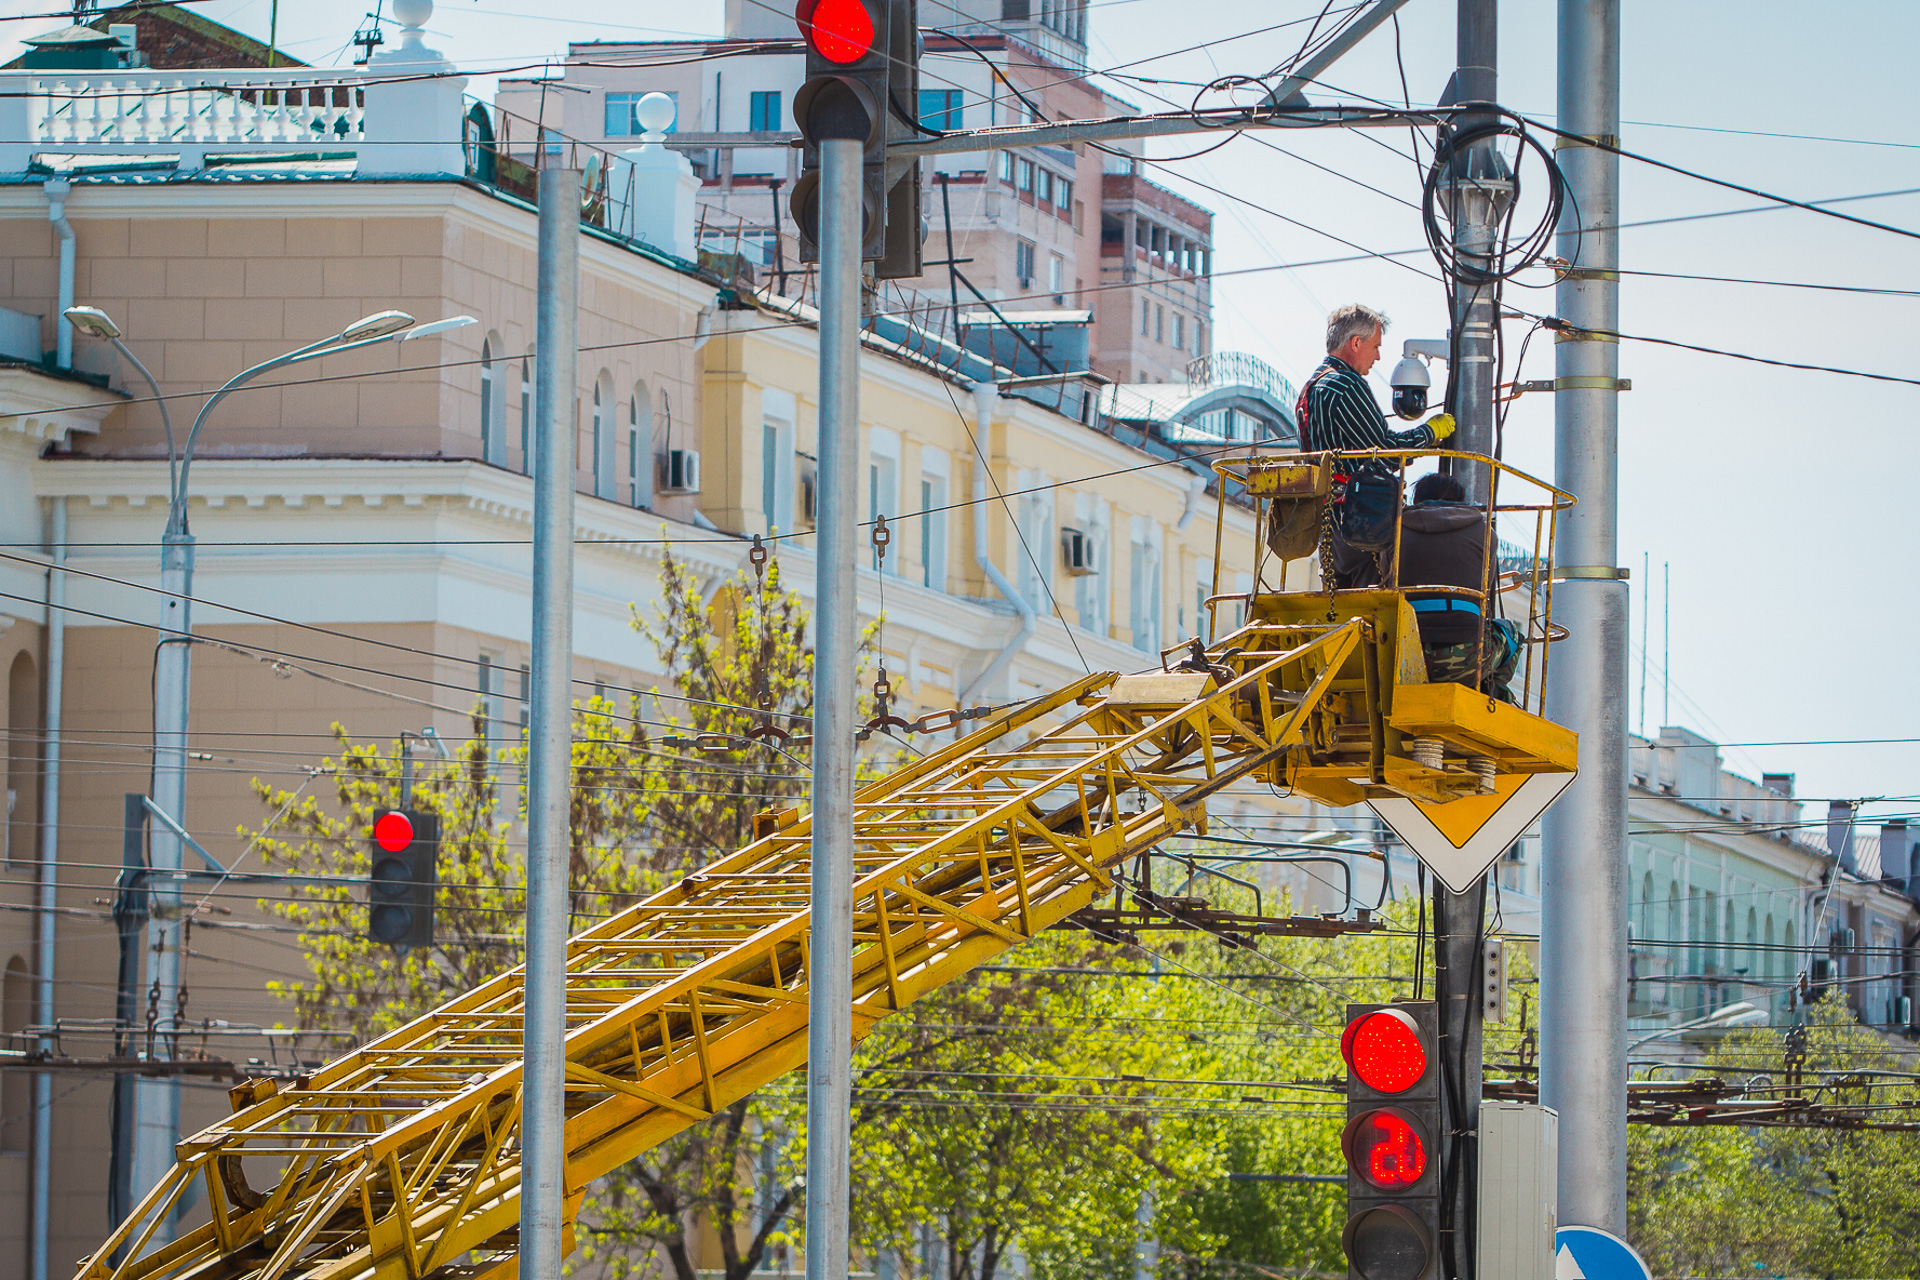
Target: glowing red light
<point>1383,1048</point>
<point>393,831</point>
<point>841,31</point>
<point>1386,1149</point>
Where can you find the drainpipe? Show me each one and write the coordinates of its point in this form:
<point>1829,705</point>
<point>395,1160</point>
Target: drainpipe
<point>41,1208</point>
<point>984,394</point>
<point>56,190</point>
<point>1195,493</point>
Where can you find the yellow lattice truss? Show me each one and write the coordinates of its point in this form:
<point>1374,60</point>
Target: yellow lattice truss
<point>402,1159</point>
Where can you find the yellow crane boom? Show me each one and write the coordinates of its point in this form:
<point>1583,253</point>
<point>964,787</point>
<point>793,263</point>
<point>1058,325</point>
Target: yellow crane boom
<point>401,1160</point>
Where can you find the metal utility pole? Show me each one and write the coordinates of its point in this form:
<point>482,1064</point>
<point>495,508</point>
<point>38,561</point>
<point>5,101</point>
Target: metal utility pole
<point>41,1214</point>
<point>1479,189</point>
<point>1583,933</point>
<point>830,1007</point>
<point>157,1099</point>
<point>550,729</point>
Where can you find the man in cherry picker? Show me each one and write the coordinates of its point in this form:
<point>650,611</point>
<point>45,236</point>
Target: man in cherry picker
<point>1337,410</point>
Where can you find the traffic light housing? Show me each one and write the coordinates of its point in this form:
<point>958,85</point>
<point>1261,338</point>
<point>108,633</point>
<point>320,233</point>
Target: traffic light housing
<point>400,889</point>
<point>1392,1141</point>
<point>862,84</point>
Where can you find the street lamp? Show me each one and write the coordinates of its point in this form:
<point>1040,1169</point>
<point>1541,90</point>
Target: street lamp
<point>157,1099</point>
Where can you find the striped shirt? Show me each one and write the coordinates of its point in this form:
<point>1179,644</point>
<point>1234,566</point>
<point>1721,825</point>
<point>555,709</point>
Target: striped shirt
<point>1341,413</point>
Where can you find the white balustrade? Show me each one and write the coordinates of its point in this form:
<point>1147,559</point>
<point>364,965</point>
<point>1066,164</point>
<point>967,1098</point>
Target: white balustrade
<point>189,111</point>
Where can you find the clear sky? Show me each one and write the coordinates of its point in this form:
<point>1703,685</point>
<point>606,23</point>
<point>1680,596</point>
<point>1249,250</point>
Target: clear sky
<point>1778,497</point>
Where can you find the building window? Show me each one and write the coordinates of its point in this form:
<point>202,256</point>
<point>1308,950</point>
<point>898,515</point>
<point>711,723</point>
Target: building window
<point>1026,176</point>
<point>883,499</point>
<point>640,447</point>
<point>1179,331</point>
<point>1046,186</point>
<point>526,416</point>
<point>604,485</point>
<point>1146,317</point>
<point>1063,195</point>
<point>621,124</point>
<point>1005,166</point>
<point>763,111</point>
<point>1145,591</point>
<point>1055,264</point>
<point>940,109</point>
<point>1023,262</point>
<point>1090,591</point>
<point>1199,338</point>
<point>488,429</point>
<point>1159,324</point>
<point>933,531</point>
<point>1038,553</point>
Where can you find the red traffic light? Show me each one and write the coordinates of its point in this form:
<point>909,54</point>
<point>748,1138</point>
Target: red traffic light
<point>1386,1148</point>
<point>841,31</point>
<point>1384,1050</point>
<point>393,831</point>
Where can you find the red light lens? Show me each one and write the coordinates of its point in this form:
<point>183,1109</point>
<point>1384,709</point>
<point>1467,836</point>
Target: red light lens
<point>1383,1048</point>
<point>841,31</point>
<point>1386,1149</point>
<point>393,831</point>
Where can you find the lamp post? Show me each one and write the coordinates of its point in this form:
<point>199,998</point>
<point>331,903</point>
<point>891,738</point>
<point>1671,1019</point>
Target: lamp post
<point>157,1097</point>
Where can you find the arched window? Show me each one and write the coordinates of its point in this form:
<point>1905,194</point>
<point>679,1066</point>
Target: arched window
<point>23,760</point>
<point>1646,907</point>
<point>489,428</point>
<point>640,447</point>
<point>1772,962</point>
<point>526,414</point>
<point>604,484</point>
<point>1753,940</point>
<point>1676,939</point>
<point>16,1008</point>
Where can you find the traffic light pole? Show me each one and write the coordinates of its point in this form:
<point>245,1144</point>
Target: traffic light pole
<point>1457,938</point>
<point>830,1020</point>
<point>1583,896</point>
<point>550,729</point>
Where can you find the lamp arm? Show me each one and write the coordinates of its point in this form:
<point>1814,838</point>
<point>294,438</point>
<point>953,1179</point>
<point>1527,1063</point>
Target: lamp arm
<point>176,518</point>
<point>166,417</point>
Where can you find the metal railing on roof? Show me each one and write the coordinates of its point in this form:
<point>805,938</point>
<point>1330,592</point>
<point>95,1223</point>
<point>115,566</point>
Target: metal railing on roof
<point>1225,368</point>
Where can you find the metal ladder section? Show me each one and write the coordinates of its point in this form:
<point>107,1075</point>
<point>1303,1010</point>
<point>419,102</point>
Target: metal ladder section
<point>402,1159</point>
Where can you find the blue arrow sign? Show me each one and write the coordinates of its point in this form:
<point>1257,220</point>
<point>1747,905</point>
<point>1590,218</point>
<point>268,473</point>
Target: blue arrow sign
<point>1588,1253</point>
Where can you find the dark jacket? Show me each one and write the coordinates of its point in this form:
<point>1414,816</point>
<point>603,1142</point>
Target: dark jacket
<point>1443,544</point>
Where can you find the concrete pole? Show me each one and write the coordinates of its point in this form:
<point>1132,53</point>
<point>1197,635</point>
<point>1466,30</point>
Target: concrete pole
<point>157,1099</point>
<point>41,1212</point>
<point>836,634</point>
<point>1583,931</point>
<point>550,728</point>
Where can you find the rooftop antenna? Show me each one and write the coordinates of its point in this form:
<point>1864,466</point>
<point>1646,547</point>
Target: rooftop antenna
<point>368,37</point>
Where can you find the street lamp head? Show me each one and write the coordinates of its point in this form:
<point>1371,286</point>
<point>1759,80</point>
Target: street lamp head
<point>436,327</point>
<point>377,325</point>
<point>93,322</point>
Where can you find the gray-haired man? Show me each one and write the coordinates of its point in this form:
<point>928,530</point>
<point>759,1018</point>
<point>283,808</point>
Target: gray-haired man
<point>1337,410</point>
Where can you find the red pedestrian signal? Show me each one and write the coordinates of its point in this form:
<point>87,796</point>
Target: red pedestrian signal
<point>841,31</point>
<point>392,831</point>
<point>1391,1141</point>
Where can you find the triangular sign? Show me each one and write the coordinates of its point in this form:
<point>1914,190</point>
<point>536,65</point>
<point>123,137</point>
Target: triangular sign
<point>1566,1266</point>
<point>1460,839</point>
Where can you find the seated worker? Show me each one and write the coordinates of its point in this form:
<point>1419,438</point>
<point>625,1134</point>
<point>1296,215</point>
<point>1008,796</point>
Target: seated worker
<point>1337,410</point>
<point>1443,543</point>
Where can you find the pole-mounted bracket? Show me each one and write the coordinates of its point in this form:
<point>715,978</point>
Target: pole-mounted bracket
<point>1606,141</point>
<point>1576,384</point>
<point>1605,573</point>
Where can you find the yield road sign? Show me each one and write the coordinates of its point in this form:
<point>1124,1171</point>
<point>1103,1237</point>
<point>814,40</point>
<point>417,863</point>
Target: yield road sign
<point>1588,1253</point>
<point>1460,839</point>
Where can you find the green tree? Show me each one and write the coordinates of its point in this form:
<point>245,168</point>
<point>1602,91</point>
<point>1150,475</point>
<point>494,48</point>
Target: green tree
<point>650,802</point>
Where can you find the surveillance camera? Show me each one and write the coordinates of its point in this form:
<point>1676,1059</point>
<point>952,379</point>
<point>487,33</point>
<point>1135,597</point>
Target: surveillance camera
<point>1411,380</point>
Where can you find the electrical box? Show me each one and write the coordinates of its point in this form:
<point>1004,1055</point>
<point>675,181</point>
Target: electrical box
<point>1519,1191</point>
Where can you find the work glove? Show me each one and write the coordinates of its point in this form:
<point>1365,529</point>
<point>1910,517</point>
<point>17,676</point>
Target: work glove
<point>1443,426</point>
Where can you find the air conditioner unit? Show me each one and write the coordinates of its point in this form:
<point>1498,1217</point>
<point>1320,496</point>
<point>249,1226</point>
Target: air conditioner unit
<point>680,471</point>
<point>1076,553</point>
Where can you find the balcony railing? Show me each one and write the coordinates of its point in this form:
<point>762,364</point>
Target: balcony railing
<point>191,112</point>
